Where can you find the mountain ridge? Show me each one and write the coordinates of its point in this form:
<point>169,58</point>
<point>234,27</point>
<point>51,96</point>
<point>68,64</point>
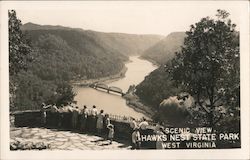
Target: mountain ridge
<point>34,26</point>
<point>165,49</point>
<point>126,44</point>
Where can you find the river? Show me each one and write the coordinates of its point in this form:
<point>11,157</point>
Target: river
<point>111,103</point>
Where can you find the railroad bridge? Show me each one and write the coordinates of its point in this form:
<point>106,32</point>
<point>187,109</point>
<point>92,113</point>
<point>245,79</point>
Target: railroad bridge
<point>107,88</point>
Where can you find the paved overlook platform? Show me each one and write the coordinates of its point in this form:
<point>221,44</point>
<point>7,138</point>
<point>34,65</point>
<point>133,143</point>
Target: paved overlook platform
<point>64,140</point>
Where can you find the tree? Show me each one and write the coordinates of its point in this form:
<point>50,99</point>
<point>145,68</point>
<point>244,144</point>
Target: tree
<point>175,110</point>
<point>19,50</point>
<point>208,66</point>
<point>40,79</point>
<point>64,94</point>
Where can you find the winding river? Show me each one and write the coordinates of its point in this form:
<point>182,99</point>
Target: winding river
<point>111,103</point>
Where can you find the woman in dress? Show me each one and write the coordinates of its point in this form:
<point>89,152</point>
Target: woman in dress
<point>99,123</point>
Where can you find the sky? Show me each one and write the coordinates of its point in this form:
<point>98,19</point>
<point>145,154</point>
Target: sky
<point>136,17</point>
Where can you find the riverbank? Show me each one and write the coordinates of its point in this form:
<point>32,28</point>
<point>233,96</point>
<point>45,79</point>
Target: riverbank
<point>151,60</point>
<point>108,79</point>
<point>134,102</point>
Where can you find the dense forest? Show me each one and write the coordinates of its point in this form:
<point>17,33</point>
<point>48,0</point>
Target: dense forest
<point>72,55</point>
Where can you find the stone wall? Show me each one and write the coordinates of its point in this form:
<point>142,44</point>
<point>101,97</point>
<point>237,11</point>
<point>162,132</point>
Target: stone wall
<point>26,118</point>
<point>63,121</point>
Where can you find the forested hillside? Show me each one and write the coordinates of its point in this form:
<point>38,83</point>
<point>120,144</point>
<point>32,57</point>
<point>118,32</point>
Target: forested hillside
<point>127,44</point>
<point>165,49</point>
<point>70,54</point>
<point>158,85</point>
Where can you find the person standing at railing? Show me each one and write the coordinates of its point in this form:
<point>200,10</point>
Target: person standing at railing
<point>93,114</point>
<point>99,122</point>
<point>75,117</point>
<point>106,123</point>
<point>44,114</point>
<point>60,116</point>
<point>94,111</point>
<point>133,125</point>
<point>84,116</point>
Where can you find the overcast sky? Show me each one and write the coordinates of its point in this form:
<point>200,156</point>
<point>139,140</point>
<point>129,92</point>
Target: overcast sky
<point>138,17</point>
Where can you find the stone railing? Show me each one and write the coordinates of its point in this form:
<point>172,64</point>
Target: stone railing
<point>64,121</point>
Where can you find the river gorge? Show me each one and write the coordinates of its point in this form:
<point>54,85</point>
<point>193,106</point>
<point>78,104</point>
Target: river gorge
<point>137,70</point>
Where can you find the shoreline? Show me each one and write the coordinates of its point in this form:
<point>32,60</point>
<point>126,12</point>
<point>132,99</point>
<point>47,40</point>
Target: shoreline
<point>134,102</point>
<point>151,61</point>
<point>108,79</point>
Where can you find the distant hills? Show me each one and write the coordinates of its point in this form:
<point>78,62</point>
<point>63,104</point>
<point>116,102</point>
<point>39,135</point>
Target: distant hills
<point>33,26</point>
<point>165,49</point>
<point>126,44</point>
<point>73,53</point>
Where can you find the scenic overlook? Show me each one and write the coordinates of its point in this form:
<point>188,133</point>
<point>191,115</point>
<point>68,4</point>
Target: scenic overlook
<point>114,84</point>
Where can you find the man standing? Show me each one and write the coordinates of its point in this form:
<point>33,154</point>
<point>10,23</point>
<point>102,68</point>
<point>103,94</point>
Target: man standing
<point>75,114</point>
<point>133,125</point>
<point>93,118</point>
<point>93,111</point>
<point>84,116</point>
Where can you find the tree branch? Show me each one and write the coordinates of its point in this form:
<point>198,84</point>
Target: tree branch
<point>205,108</point>
<point>218,119</point>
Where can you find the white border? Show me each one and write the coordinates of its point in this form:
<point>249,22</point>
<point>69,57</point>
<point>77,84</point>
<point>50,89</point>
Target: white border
<point>242,153</point>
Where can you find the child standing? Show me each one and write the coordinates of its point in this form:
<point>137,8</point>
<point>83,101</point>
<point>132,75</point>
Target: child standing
<point>106,124</point>
<point>111,132</point>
